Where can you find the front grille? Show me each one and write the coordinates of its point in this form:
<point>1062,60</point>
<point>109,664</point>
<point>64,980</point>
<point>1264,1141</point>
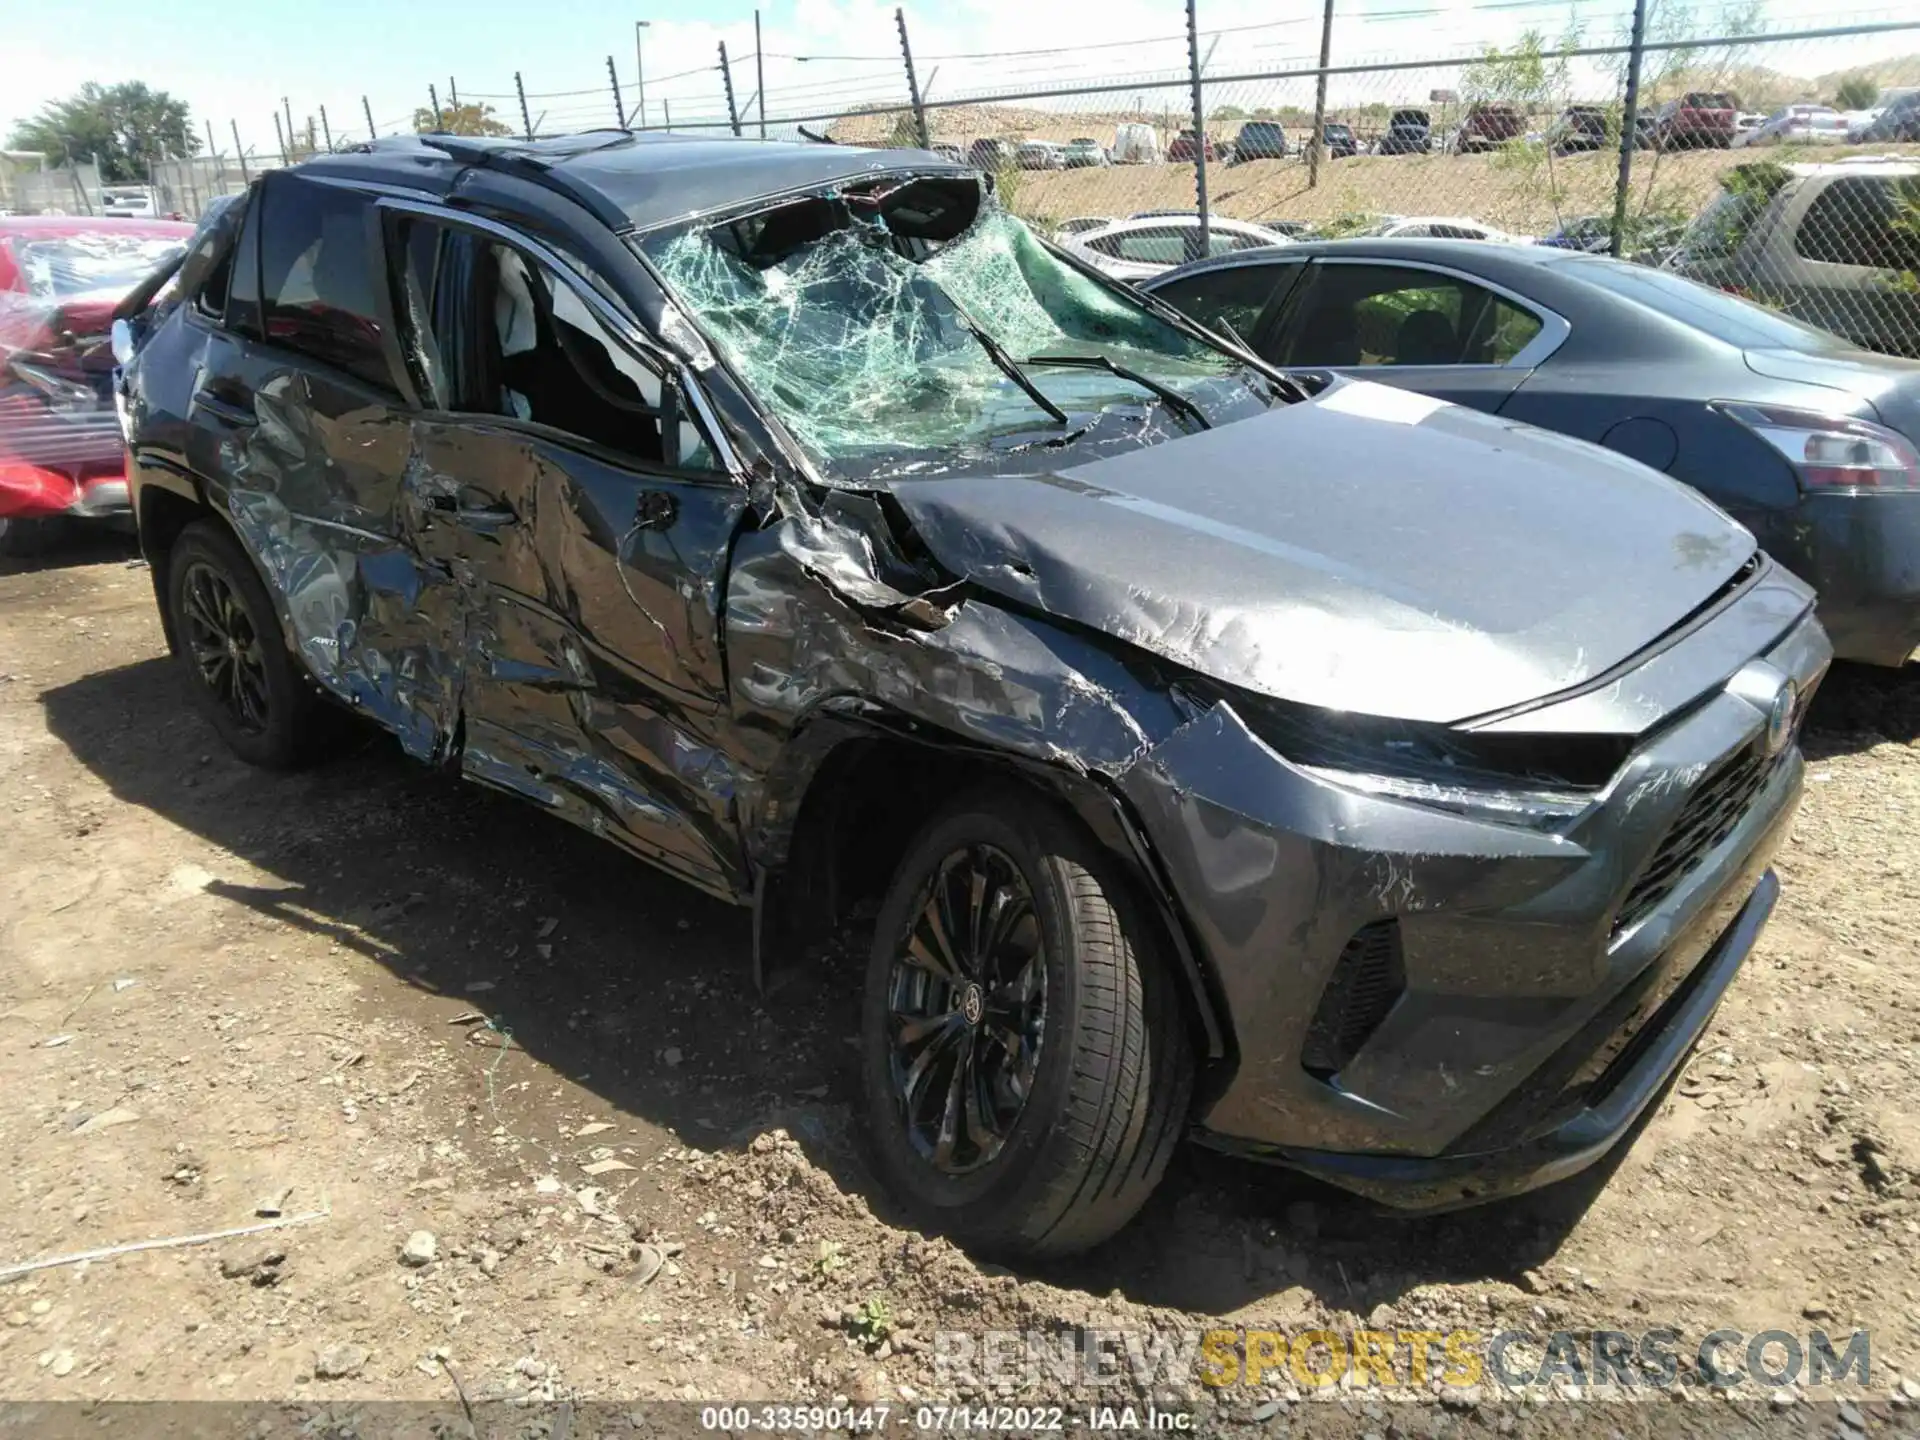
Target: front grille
<point>1708,817</point>
<point>1368,978</point>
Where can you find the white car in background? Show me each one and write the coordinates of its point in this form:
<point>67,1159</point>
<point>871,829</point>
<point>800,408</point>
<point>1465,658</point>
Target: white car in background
<point>1441,227</point>
<point>1797,125</point>
<point>1079,225</point>
<point>1138,248</point>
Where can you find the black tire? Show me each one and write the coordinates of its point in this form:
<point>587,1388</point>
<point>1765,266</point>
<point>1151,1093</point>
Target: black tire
<point>263,703</point>
<point>1106,1100</point>
<point>21,538</point>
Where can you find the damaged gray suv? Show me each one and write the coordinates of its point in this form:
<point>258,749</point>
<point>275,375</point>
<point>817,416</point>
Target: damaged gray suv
<point>1340,777</point>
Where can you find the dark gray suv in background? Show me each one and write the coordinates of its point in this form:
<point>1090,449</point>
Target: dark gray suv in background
<point>1353,779</point>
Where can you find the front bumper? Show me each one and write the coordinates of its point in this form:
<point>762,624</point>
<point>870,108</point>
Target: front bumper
<point>1564,1148</point>
<point>1544,988</point>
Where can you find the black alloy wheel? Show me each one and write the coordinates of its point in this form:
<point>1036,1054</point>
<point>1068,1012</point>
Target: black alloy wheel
<point>1025,1056</point>
<point>243,677</point>
<point>967,1010</point>
<point>225,648</point>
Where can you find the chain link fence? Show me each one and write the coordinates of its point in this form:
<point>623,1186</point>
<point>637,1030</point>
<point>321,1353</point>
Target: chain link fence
<point>1776,157</point>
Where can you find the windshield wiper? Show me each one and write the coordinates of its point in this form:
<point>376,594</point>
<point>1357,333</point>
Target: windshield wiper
<point>1173,399</point>
<point>1008,366</point>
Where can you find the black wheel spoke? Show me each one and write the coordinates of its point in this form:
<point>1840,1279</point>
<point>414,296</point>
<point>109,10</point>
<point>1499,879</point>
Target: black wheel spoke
<point>967,1010</point>
<point>225,646</point>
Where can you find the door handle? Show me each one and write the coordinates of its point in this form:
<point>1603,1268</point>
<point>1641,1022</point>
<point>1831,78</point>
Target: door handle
<point>225,411</point>
<point>486,517</point>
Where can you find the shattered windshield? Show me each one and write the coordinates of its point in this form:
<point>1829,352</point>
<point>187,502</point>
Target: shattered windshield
<point>65,265</point>
<point>878,348</point>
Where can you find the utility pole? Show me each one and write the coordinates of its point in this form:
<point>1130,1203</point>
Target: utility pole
<point>640,73</point>
<point>913,85</point>
<point>526,121</point>
<point>240,150</point>
<point>367,110</point>
<point>1199,121</point>
<point>289,109</point>
<point>1315,141</point>
<point>726,78</point>
<point>666,107</point>
<point>759,75</point>
<point>281,136</point>
<point>219,170</point>
<point>326,129</point>
<point>453,93</point>
<point>434,96</point>
<point>619,105</point>
<point>1629,129</point>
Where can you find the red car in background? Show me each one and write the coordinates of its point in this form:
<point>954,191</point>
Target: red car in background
<point>1697,120</point>
<point>61,455</point>
<point>1184,148</point>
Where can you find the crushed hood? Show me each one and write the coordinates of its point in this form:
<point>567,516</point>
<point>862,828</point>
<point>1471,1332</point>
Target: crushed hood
<point>1373,550</point>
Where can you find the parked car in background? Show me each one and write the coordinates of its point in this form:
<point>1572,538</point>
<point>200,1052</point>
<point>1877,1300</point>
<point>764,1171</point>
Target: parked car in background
<point>1436,227</point>
<point>949,152</point>
<point>1646,132</point>
<point>1808,442</point>
<point>1136,143</point>
<point>1340,141</point>
<point>61,457</point>
<point>1260,140</point>
<point>129,202</point>
<point>990,155</point>
<point>1039,155</point>
<point>1796,125</point>
<point>1832,244</point>
<point>1409,132</point>
<point>1745,120</point>
<point>1079,225</point>
<point>1580,127</point>
<point>1361,782</point>
<point>1697,120</point>
<point>1084,154</point>
<point>1648,239</point>
<point>1897,123</point>
<point>1185,148</point>
<point>1488,125</point>
<point>1138,248</point>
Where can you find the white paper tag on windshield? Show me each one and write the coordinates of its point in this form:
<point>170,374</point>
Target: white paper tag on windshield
<point>1382,402</point>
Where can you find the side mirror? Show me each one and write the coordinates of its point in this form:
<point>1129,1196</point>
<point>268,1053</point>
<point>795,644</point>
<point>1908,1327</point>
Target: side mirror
<point>122,334</point>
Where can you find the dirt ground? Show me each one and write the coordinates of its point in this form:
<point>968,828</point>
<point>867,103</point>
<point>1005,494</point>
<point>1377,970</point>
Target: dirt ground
<point>405,1005</point>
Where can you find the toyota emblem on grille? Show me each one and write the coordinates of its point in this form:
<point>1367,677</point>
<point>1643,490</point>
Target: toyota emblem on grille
<point>1780,718</point>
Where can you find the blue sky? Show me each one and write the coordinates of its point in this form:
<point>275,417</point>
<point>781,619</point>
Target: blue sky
<point>235,62</point>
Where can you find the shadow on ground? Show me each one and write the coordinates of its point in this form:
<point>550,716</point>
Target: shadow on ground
<point>1860,706</point>
<point>451,888</point>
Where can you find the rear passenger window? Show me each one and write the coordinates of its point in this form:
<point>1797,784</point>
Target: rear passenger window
<point>1857,221</point>
<point>318,284</point>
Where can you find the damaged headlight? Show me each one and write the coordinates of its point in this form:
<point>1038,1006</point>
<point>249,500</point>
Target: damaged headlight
<point>1531,808</point>
<point>1538,782</point>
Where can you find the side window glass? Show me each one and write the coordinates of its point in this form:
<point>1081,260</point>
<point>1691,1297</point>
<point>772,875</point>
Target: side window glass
<point>1381,315</point>
<point>1227,298</point>
<point>1853,222</point>
<point>317,277</point>
<point>1162,246</point>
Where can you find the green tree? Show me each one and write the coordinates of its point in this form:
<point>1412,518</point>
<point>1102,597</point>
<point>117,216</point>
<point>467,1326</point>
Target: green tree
<point>459,120</point>
<point>1856,92</point>
<point>126,127</point>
